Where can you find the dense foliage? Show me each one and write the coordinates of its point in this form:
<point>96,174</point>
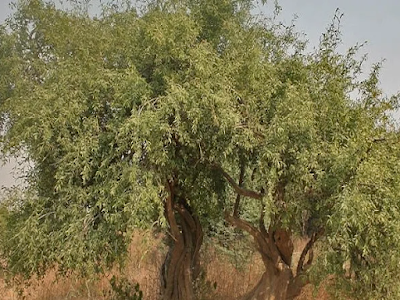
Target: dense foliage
<point>202,103</point>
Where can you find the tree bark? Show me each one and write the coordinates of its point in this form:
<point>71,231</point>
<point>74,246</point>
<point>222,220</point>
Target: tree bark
<point>279,281</point>
<point>276,284</point>
<point>181,267</point>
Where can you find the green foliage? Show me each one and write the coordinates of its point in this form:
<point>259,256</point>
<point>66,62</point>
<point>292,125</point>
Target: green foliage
<point>3,221</point>
<point>230,243</point>
<point>107,109</point>
<point>366,227</point>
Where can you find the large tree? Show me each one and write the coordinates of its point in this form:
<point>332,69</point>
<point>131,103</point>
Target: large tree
<point>188,112</point>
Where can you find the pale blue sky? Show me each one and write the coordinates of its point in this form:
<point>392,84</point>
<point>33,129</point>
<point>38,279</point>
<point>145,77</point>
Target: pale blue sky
<point>377,22</point>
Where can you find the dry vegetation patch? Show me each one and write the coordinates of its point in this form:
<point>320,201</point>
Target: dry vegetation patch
<point>224,280</point>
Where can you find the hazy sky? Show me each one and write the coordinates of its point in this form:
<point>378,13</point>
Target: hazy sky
<point>374,21</point>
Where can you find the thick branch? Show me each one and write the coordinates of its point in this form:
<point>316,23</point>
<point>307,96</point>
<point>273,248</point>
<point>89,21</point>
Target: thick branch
<point>307,249</point>
<point>169,203</point>
<point>262,222</point>
<point>262,243</point>
<point>184,213</point>
<point>198,243</point>
<point>237,202</point>
<point>282,239</point>
<point>243,225</point>
<point>241,191</point>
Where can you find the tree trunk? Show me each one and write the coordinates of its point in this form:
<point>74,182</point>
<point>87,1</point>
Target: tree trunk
<point>276,285</point>
<point>272,285</point>
<point>181,266</point>
<point>279,281</point>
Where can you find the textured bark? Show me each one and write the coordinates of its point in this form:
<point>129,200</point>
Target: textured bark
<point>181,266</point>
<point>279,281</point>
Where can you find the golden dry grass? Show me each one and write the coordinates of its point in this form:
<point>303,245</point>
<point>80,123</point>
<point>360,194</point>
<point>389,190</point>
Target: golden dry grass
<point>226,282</point>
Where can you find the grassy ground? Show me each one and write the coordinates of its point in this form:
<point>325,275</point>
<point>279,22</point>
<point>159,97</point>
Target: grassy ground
<point>225,280</point>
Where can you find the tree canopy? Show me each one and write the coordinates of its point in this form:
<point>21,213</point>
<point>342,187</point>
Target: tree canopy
<point>187,113</point>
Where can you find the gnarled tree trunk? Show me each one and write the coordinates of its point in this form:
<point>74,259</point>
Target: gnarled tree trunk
<point>280,281</point>
<point>182,266</point>
<point>272,285</point>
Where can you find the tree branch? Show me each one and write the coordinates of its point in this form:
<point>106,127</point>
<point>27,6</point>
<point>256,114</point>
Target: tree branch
<point>261,221</point>
<point>243,225</point>
<point>169,211</point>
<point>301,267</point>
<point>237,202</point>
<point>268,254</point>
<point>241,191</point>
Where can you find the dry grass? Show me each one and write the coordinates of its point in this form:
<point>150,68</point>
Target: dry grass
<point>225,281</point>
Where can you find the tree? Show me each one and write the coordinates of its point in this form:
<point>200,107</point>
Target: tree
<point>188,112</point>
